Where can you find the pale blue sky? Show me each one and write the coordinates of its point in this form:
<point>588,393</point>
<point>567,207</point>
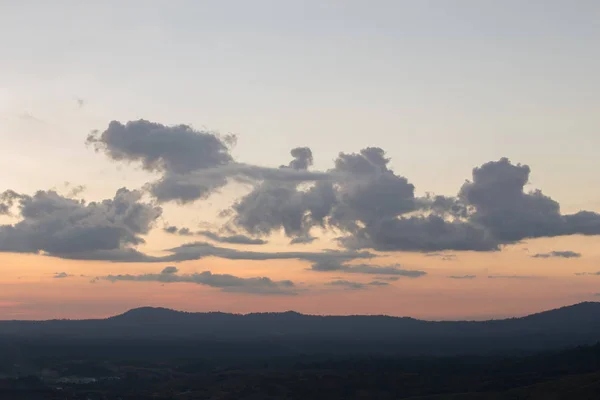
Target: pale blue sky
<point>442,86</point>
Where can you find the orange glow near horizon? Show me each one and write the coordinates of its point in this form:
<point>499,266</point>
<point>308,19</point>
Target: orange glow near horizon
<point>28,289</point>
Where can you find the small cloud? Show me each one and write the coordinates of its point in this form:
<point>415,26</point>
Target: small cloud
<point>231,239</point>
<point>170,270</point>
<point>224,282</point>
<point>347,284</point>
<point>328,265</point>
<point>303,240</point>
<point>60,275</point>
<point>442,256</point>
<point>587,273</point>
<point>462,276</point>
<point>388,278</point>
<point>378,283</point>
<point>512,277</point>
<point>80,102</point>
<point>75,190</point>
<point>558,254</point>
<point>171,229</point>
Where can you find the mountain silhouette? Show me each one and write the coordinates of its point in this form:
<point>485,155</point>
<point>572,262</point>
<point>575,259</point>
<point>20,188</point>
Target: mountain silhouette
<point>572,325</point>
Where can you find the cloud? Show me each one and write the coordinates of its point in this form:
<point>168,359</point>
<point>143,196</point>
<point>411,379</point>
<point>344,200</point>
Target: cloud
<point>63,227</point>
<point>463,276</point>
<point>558,254</point>
<point>172,149</point>
<point>199,250</point>
<point>61,275</point>
<point>347,284</point>
<point>327,265</point>
<point>490,211</point>
<point>170,270</point>
<point>225,282</point>
<point>193,164</point>
<point>442,256</point>
<point>587,273</point>
<point>512,277</point>
<point>232,239</point>
<point>361,196</point>
<point>303,240</point>
<point>511,214</point>
<point>7,200</point>
<point>388,278</point>
<point>378,283</point>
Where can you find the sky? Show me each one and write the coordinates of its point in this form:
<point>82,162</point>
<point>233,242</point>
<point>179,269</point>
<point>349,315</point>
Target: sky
<point>433,159</point>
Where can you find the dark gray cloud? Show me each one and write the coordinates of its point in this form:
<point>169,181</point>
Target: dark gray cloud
<point>225,282</point>
<point>462,276</point>
<point>442,256</point>
<point>231,239</point>
<point>303,240</point>
<point>331,264</point>
<point>199,250</point>
<point>378,283</point>
<point>171,229</point>
<point>303,158</point>
<point>347,284</point>
<point>361,196</point>
<point>69,228</point>
<point>361,191</point>
<point>61,275</point>
<point>193,163</point>
<point>503,207</point>
<point>7,200</point>
<point>174,230</point>
<point>430,233</point>
<point>558,254</point>
<point>176,149</point>
<point>170,270</point>
<point>490,211</point>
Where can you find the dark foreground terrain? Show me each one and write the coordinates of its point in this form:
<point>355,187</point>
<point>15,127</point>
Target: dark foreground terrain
<point>527,358</point>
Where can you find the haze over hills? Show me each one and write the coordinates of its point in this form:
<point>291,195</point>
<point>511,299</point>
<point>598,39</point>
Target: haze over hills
<point>567,326</point>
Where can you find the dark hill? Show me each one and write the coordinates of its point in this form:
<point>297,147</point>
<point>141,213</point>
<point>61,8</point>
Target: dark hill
<point>573,325</point>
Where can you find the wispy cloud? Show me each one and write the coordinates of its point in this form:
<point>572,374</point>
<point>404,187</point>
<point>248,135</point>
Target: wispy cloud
<point>462,276</point>
<point>587,273</point>
<point>225,282</point>
<point>558,254</point>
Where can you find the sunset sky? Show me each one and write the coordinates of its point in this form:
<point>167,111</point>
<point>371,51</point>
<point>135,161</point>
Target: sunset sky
<point>327,157</point>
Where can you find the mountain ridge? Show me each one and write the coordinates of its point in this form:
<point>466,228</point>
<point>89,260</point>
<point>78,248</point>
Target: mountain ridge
<point>169,311</point>
<point>162,329</point>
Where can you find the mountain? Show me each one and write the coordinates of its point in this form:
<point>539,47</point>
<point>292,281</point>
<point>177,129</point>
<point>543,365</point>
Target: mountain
<point>572,325</point>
